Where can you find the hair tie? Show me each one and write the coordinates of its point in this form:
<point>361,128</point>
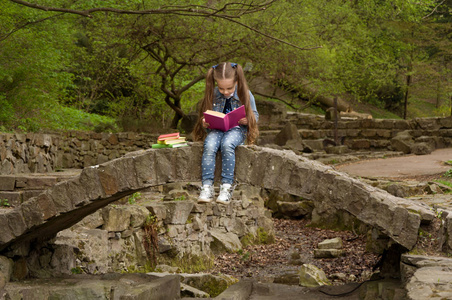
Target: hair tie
<point>233,65</point>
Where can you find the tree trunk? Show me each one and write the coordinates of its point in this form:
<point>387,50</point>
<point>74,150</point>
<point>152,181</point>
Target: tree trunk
<point>438,93</point>
<point>267,88</point>
<point>178,115</point>
<point>408,83</point>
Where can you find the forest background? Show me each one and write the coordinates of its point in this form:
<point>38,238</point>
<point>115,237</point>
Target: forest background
<point>139,65</point>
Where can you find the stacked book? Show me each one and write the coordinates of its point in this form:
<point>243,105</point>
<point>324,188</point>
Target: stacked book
<point>170,140</point>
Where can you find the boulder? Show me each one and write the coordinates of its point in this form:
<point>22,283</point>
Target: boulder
<point>289,132</point>
<point>187,291</point>
<point>311,276</point>
<point>224,241</point>
<point>335,243</point>
<point>402,142</point>
<point>116,218</point>
<point>328,253</point>
<point>427,277</point>
<point>421,148</point>
<point>295,209</point>
<point>6,268</point>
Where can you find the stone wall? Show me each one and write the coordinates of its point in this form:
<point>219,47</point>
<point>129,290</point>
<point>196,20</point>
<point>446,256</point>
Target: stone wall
<point>40,153</point>
<point>112,240</point>
<point>368,134</point>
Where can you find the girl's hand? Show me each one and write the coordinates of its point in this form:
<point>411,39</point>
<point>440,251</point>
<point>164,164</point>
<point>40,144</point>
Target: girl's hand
<point>243,121</point>
<point>204,124</point>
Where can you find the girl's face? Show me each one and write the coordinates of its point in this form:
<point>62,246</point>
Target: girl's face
<point>226,87</point>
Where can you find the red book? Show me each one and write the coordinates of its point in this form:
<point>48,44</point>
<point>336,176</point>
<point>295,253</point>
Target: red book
<point>168,136</point>
<point>224,122</point>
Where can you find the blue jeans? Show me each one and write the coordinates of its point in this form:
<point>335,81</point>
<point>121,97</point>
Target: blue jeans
<point>226,142</point>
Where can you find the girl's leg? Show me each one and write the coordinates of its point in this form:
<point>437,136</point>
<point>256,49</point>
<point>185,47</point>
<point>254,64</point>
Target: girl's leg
<point>211,146</point>
<point>231,139</point>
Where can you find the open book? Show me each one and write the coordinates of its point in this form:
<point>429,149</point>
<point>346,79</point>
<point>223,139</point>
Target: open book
<point>224,122</point>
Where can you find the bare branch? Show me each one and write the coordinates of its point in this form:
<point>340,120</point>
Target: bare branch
<point>275,97</point>
<point>25,25</point>
<point>272,37</point>
<point>434,10</point>
<point>187,10</point>
<point>193,10</point>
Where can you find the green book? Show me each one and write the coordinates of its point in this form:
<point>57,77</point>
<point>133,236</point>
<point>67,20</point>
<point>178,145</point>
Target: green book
<point>157,146</point>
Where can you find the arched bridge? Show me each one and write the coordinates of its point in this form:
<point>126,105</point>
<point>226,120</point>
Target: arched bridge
<point>66,203</point>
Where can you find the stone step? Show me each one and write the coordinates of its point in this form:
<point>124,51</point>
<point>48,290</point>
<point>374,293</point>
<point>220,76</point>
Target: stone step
<point>121,286</point>
<point>18,188</point>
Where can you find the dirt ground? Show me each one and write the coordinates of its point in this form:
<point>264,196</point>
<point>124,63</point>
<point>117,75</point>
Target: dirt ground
<point>401,167</point>
<point>295,241</point>
<point>294,245</point>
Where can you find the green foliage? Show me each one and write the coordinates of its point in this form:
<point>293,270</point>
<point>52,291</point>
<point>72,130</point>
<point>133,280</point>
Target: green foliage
<point>448,173</point>
<point>446,183</point>
<point>133,199</point>
<point>4,203</point>
<point>77,270</point>
<point>56,70</point>
<point>180,198</point>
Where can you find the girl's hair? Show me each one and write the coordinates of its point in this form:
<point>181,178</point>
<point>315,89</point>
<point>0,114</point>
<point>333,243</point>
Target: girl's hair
<point>226,70</point>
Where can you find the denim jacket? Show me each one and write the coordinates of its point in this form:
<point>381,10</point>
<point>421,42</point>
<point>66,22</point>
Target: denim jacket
<point>219,102</point>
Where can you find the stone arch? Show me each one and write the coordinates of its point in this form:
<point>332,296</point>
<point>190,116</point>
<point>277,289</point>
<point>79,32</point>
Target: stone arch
<point>68,202</point>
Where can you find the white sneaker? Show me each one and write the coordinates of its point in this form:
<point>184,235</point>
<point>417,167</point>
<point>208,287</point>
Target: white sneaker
<point>225,194</point>
<point>207,193</point>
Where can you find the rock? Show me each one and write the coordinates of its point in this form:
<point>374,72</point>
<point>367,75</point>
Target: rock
<point>342,149</point>
<point>208,283</point>
<point>20,270</point>
<point>122,286</point>
<point>178,195</point>
<point>138,215</point>
<point>430,283</point>
<point>224,241</point>
<point>421,148</point>
<point>335,243</point>
<point>330,114</point>
<point>311,276</point>
<point>88,245</point>
<point>295,209</point>
<point>398,190</point>
<point>297,145</point>
<point>354,115</point>
<point>6,267</point>
<point>116,218</point>
<point>433,189</point>
<point>3,282</point>
<point>402,142</point>
<point>328,253</point>
<point>191,292</point>
<point>287,278</point>
<point>167,269</point>
<point>177,212</point>
<point>289,132</point>
<point>339,277</point>
<point>92,221</point>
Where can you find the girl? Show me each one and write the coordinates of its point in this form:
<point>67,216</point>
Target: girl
<point>230,92</point>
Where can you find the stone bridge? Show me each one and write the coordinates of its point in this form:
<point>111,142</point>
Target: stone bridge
<point>66,203</point>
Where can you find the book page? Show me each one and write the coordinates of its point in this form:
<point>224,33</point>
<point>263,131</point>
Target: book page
<point>215,113</point>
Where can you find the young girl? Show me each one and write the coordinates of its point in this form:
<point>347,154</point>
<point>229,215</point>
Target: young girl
<point>230,92</point>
